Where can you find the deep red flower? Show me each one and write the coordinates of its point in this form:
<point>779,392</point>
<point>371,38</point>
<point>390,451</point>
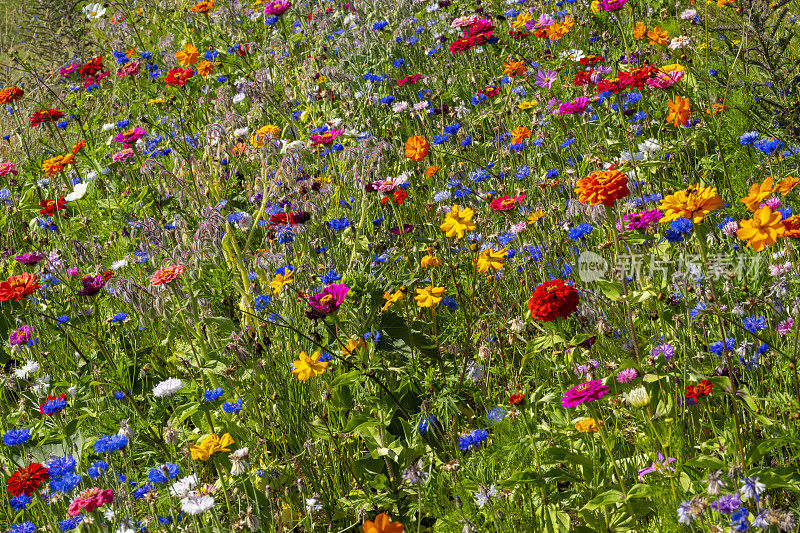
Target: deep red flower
<point>703,388</point>
<point>18,287</point>
<point>48,207</point>
<point>178,76</point>
<point>552,300</point>
<point>92,67</point>
<point>399,196</point>
<point>45,115</point>
<point>516,398</point>
<point>583,78</point>
<point>27,480</point>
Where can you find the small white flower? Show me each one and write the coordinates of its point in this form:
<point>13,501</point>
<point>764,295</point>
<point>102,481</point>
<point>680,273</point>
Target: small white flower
<point>483,496</point>
<point>196,504</point>
<point>72,391</point>
<point>108,127</point>
<point>116,265</point>
<point>241,132</point>
<point>638,397</point>
<point>25,371</point>
<point>77,193</point>
<point>239,98</point>
<point>180,489</point>
<point>168,387</point>
<point>94,11</point>
<point>41,385</point>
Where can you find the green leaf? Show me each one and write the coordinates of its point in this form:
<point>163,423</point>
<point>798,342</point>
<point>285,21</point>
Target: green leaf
<point>608,497</point>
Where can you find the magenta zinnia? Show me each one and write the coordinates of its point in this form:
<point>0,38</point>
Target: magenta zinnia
<point>327,300</point>
<point>585,392</point>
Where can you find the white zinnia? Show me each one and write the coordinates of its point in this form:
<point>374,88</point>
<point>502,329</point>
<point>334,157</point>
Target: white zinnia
<point>168,387</point>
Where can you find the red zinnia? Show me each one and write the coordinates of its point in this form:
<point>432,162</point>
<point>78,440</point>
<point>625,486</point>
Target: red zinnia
<point>179,76</point>
<point>45,115</point>
<point>17,287</point>
<point>552,300</point>
<point>92,67</point>
<point>701,389</point>
<point>27,480</point>
<point>516,398</point>
<point>48,207</point>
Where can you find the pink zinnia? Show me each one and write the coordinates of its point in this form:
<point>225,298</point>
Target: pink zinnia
<point>506,203</point>
<point>574,107</point>
<point>463,22</point>
<point>543,21</point>
<point>585,392</point>
<point>665,80</point>
<point>69,69</point>
<point>325,138</point>
<point>410,79</point>
<point>611,5</point>
<point>8,168</point>
<point>21,336</point>
<point>640,220</point>
<point>278,7</point>
<point>127,138</point>
<point>327,300</point>
<point>167,274</point>
<point>482,26</point>
<point>131,69</point>
<point>122,155</point>
<point>90,499</point>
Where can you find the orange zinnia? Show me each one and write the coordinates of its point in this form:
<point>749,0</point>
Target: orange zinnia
<point>788,184</point>
<point>202,7</point>
<point>515,68</point>
<point>679,111</point>
<point>9,94</point>
<point>204,68</point>
<point>417,148</point>
<point>17,287</point>
<point>188,56</point>
<point>791,227</point>
<point>602,187</point>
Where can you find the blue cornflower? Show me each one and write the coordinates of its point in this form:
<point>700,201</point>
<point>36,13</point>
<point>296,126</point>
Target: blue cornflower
<point>718,348</point>
<point>338,224</point>
<point>97,469</point>
<point>380,25</point>
<point>61,465</point>
<point>326,356</point>
<point>754,323</point>
<point>110,443</point>
<point>748,138</point>
<point>284,235</point>
<point>472,439</point>
<point>54,406</point>
<point>118,317</point>
<point>213,394</point>
<point>399,62</point>
<point>142,491</point>
<point>496,415</point>
<point>262,301</point>
<point>678,229</point>
<point>449,303</point>
<point>580,231</point>
<point>698,308</point>
<point>330,277</point>
<point>66,483</point>
<point>232,407</point>
<point>70,523</point>
<point>23,527</point>
<point>427,423</point>
<point>20,502</point>
<point>16,437</point>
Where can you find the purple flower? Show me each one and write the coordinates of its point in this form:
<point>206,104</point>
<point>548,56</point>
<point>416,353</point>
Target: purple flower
<point>21,336</point>
<point>28,258</point>
<point>327,300</point>
<point>574,107</point>
<point>627,375</point>
<point>406,229</point>
<point>545,78</point>
<point>728,503</point>
<point>585,392</point>
<point>91,285</point>
<point>666,349</point>
<point>277,7</point>
<point>659,465</point>
<point>611,5</point>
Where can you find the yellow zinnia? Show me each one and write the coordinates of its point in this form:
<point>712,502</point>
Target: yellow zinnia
<point>429,296</point>
<point>307,367</point>
<point>763,229</point>
<point>491,259</point>
<point>211,444</point>
<point>457,221</point>
<point>694,203</point>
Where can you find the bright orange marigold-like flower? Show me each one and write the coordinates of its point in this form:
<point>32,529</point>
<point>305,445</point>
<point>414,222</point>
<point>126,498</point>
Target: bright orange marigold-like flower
<point>202,7</point>
<point>10,94</point>
<point>679,111</point>
<point>640,30</point>
<point>788,184</point>
<point>204,68</point>
<point>602,187</point>
<point>762,230</point>
<point>515,68</point>
<point>188,56</point>
<point>519,134</point>
<point>417,148</point>
<point>17,287</point>
<point>657,36</point>
<point>791,227</point>
<point>758,192</point>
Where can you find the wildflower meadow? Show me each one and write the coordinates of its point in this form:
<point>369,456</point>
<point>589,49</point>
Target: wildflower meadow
<point>399,265</point>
